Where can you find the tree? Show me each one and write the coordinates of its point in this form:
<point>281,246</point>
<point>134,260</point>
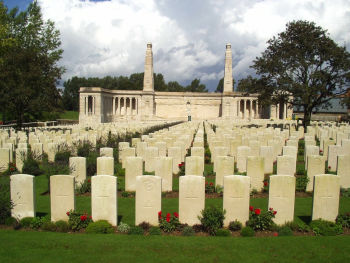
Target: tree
<point>28,68</point>
<point>303,66</point>
<point>220,86</point>
<point>195,86</point>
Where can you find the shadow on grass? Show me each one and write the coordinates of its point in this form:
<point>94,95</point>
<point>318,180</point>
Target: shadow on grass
<point>305,219</point>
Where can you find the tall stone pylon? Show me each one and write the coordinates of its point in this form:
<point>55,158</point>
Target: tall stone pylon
<point>228,82</point>
<point>148,82</point>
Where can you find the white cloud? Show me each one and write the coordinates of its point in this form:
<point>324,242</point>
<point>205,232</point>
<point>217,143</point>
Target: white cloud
<point>189,37</point>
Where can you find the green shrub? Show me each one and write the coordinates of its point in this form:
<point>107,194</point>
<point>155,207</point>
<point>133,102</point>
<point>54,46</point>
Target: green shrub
<point>222,232</point>
<point>5,199</point>
<point>344,220</point>
<point>155,231</point>
<point>31,166</point>
<point>91,163</point>
<point>325,228</point>
<point>123,228</point>
<point>345,192</point>
<point>261,220</point>
<point>62,226</point>
<point>62,157</point>
<point>26,221</point>
<point>37,222</point>
<point>235,225</point>
<point>135,230</point>
<point>10,221</point>
<point>212,219</point>
<point>187,231</point>
<point>168,223</point>
<point>209,188</point>
<point>285,231</point>
<point>247,232</point>
<point>84,187</point>
<point>301,182</point>
<point>78,221</point>
<point>49,226</point>
<point>84,149</point>
<point>145,226</point>
<point>99,227</point>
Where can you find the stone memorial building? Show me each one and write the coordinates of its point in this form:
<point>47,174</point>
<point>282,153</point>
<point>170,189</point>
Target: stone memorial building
<point>99,105</point>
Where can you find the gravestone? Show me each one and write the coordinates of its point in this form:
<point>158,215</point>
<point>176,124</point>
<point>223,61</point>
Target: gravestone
<point>310,150</point>
<point>148,199</point>
<point>164,169</point>
<point>255,170</point>
<point>286,165</point>
<point>266,152</point>
<point>282,197</point>
<point>21,156</point>
<point>133,168</point>
<point>194,165</point>
<point>150,154</point>
<point>106,152</point>
<point>326,197</point>
<point>175,153</point>
<point>104,198</point>
<point>315,166</point>
<point>77,166</point>
<point>344,170</point>
<point>191,199</point>
<point>242,154</point>
<point>22,196</point>
<point>105,166</point>
<point>62,198</point>
<point>127,152</point>
<point>224,166</point>
<point>197,151</point>
<point>236,198</point>
<point>333,152</point>
<point>4,159</point>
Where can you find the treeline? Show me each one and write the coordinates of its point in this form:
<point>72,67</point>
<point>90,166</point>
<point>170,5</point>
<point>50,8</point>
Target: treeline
<point>70,97</point>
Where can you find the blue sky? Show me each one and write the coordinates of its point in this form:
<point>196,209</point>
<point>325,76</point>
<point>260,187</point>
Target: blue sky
<point>102,38</point>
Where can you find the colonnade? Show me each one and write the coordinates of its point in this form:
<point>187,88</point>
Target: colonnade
<point>125,106</point>
<point>89,105</point>
<point>247,108</point>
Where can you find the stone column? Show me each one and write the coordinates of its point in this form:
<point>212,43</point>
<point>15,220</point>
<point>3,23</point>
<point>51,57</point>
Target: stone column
<point>244,108</point>
<point>250,109</point>
<point>238,107</point>
<point>278,112</point>
<point>285,111</point>
<point>228,70</point>
<point>87,105</point>
<point>113,101</point>
<point>148,81</point>
<point>257,110</point>
<point>118,108</point>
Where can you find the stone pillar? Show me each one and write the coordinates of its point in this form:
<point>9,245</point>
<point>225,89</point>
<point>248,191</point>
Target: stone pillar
<point>244,108</point>
<point>113,101</point>
<point>278,112</point>
<point>257,110</point>
<point>238,108</point>
<point>250,109</point>
<point>118,108</point>
<point>87,105</point>
<point>148,81</point>
<point>285,111</point>
<point>228,83</point>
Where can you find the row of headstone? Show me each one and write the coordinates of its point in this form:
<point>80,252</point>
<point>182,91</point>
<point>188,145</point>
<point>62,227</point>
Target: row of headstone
<point>191,197</point>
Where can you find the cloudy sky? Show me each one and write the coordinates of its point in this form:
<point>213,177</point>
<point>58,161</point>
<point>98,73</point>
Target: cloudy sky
<point>102,38</point>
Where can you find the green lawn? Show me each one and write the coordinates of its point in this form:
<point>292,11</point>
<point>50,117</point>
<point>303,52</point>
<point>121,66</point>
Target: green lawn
<point>69,115</point>
<point>30,246</point>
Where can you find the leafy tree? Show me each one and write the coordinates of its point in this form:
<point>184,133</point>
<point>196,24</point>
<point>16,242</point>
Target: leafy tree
<point>220,86</point>
<point>303,66</point>
<point>174,86</point>
<point>28,68</point>
<point>195,86</point>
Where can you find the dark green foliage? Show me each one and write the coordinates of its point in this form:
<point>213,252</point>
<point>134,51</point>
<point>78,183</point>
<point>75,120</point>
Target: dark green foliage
<point>62,157</point>
<point>326,228</point>
<point>261,220</point>
<point>247,232</point>
<point>84,187</point>
<point>345,192</point>
<point>119,171</point>
<point>5,199</point>
<point>91,163</point>
<point>26,221</point>
<point>344,220</point>
<point>285,231</point>
<point>168,223</point>
<point>207,155</point>
<point>77,220</point>
<point>49,226</point>
<point>235,225</point>
<point>62,226</point>
<point>155,231</point>
<point>187,231</point>
<point>300,169</point>
<point>31,166</point>
<point>212,219</point>
<point>37,222</point>
<point>10,221</point>
<point>84,149</point>
<point>300,226</point>
<point>301,183</point>
<point>136,230</point>
<point>222,232</point>
<point>302,66</point>
<point>99,227</point>
<point>145,226</point>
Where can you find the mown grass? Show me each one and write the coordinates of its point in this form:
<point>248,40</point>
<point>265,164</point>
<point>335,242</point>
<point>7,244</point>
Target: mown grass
<point>22,246</point>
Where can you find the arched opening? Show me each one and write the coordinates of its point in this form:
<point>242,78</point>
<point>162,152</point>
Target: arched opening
<point>90,105</point>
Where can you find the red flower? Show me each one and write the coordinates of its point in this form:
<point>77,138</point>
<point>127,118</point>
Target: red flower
<point>176,215</point>
<point>270,208</point>
<point>211,184</point>
<point>168,215</point>
<point>257,211</point>
<point>83,218</point>
<point>266,183</point>
<point>274,212</point>
<point>321,151</point>
<point>67,213</point>
<point>206,182</point>
<point>12,169</point>
<point>251,208</point>
<point>90,217</point>
<point>329,167</point>
<point>89,181</point>
<point>275,234</point>
<point>160,214</point>
<point>168,219</point>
